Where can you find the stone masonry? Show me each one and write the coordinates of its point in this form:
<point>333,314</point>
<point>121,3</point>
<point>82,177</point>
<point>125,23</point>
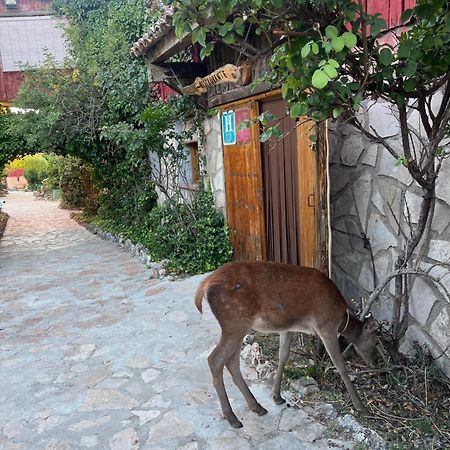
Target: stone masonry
<point>370,194</point>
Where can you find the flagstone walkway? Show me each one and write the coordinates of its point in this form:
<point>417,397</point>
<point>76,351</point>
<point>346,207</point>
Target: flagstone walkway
<point>95,354</point>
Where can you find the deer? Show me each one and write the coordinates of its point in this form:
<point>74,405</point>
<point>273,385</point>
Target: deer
<point>281,298</point>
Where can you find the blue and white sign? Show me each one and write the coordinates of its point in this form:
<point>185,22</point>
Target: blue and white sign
<point>228,128</point>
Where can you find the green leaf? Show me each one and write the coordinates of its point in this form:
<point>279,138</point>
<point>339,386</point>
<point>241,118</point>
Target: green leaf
<point>228,38</point>
<point>410,69</point>
<point>330,71</point>
<point>406,15</point>
<point>299,109</point>
<point>206,51</point>
<point>337,112</point>
<point>265,136</point>
<point>312,138</point>
<point>410,85</point>
<point>338,43</point>
<point>284,90</point>
<point>331,32</point>
<point>306,50</point>
<point>386,57</point>
<point>333,63</point>
<point>319,79</point>
<point>401,161</point>
<point>202,36</point>
<point>221,15</point>
<point>315,48</point>
<point>195,34</point>
<point>350,40</point>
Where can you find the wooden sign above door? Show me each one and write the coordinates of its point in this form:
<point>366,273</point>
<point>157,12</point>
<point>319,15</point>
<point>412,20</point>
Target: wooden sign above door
<point>225,74</point>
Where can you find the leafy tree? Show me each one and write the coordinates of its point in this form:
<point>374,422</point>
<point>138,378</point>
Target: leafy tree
<point>330,55</point>
<point>11,142</point>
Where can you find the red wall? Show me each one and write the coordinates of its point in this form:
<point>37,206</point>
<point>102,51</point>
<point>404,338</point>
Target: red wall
<point>9,85</point>
<point>28,5</point>
<point>391,10</point>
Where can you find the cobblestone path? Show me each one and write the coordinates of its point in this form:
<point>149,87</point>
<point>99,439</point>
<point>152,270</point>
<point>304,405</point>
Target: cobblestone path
<point>94,354</point>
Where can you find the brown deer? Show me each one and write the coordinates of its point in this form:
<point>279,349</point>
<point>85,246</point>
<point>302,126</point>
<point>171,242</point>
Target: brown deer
<point>282,298</point>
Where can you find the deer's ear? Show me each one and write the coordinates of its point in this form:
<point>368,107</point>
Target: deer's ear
<point>371,325</point>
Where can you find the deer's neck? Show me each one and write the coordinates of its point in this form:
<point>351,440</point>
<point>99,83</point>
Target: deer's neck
<point>353,330</point>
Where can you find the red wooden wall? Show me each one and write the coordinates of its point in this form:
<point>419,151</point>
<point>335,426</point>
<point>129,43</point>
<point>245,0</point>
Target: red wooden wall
<point>390,10</point>
<point>28,5</point>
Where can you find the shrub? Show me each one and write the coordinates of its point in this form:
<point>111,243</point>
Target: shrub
<point>34,179</point>
<point>193,238</point>
<point>76,181</point>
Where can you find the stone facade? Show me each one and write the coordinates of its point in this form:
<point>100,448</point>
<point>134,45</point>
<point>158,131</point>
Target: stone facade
<point>214,160</point>
<point>373,197</point>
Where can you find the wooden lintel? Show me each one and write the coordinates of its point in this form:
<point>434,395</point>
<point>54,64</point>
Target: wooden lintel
<point>169,46</point>
<point>237,94</point>
<point>160,72</point>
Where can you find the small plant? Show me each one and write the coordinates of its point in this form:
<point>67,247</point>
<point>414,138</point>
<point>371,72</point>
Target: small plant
<point>192,237</point>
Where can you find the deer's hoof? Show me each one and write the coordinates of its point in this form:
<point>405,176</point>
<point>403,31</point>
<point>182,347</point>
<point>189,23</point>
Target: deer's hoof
<point>278,399</point>
<point>262,411</point>
<point>235,423</point>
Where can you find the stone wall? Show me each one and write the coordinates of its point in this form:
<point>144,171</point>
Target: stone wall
<point>372,196</point>
<point>214,160</point>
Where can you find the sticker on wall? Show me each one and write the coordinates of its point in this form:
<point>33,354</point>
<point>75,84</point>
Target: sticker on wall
<point>228,128</point>
<point>244,135</point>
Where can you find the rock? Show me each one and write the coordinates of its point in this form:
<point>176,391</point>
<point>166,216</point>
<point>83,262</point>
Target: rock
<point>138,362</point>
<point>14,429</point>
<point>146,416</point>
<point>86,424</point>
<point>89,441</point>
<point>304,386</point>
<point>100,399</point>
<point>422,300</point>
<point>351,149</point>
<point>150,375</point>
<point>125,440</point>
<point>439,250</point>
<point>170,426</point>
<point>362,188</point>
<point>380,236</point>
<point>440,330</point>
<point>361,434</point>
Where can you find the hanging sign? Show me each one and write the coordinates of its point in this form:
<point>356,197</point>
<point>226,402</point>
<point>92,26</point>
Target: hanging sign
<point>225,74</point>
<point>244,135</point>
<point>228,128</point>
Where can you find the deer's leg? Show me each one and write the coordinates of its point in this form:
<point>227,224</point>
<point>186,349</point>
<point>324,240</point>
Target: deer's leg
<point>332,346</point>
<point>285,347</point>
<point>233,366</point>
<point>227,346</point>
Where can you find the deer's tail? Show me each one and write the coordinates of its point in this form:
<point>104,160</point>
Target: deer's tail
<point>200,293</point>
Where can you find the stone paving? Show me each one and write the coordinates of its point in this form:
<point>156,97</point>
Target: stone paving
<point>95,354</point>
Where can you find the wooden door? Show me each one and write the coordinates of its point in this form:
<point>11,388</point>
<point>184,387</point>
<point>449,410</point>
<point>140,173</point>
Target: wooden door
<point>290,187</point>
<point>280,178</point>
<point>243,184</point>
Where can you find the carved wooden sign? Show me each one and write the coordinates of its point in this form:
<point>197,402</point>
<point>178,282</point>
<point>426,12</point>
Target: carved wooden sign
<point>225,74</point>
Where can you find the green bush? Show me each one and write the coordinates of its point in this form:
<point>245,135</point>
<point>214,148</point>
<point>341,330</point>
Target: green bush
<point>34,178</point>
<point>193,238</point>
<point>76,181</point>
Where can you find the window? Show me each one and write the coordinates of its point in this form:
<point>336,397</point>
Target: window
<point>195,162</point>
<point>11,4</point>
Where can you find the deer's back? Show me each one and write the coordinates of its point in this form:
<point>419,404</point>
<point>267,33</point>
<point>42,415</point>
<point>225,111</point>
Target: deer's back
<point>273,293</point>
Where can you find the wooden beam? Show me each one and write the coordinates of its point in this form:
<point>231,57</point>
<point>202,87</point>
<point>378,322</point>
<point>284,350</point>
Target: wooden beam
<point>167,46</point>
<point>161,72</point>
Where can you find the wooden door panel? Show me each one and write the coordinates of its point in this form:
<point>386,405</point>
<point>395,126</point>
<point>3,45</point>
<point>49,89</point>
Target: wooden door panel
<point>243,189</point>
